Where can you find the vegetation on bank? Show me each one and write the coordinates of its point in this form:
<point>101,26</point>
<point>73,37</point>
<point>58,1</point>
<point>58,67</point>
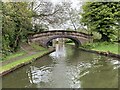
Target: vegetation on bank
<point>102,17</point>
<point>14,55</point>
<point>21,61</point>
<point>22,52</point>
<point>109,47</point>
<point>101,47</point>
<point>37,47</point>
<point>102,20</point>
<point>16,24</point>
<point>24,57</point>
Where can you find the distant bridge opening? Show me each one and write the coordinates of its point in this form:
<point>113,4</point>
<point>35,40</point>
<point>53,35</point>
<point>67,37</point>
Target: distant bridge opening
<point>62,40</point>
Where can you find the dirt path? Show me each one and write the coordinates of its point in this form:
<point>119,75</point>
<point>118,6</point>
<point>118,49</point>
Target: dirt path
<point>29,51</point>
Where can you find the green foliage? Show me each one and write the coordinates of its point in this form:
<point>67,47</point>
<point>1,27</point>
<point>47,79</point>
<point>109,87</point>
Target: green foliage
<point>102,17</point>
<point>69,41</point>
<point>16,25</point>
<point>96,35</point>
<point>40,27</point>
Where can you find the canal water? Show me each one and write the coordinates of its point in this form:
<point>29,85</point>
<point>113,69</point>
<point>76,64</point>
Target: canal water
<point>67,67</point>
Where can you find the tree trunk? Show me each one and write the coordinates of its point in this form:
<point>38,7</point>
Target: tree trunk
<point>17,42</point>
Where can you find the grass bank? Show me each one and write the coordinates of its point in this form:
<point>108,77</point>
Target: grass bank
<point>30,53</point>
<point>109,47</point>
<point>21,61</point>
<point>102,47</point>
<point>14,55</point>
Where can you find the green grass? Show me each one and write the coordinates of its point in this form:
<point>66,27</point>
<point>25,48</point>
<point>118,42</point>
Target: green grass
<point>70,43</point>
<point>12,64</point>
<point>21,52</point>
<point>108,47</point>
<point>24,60</point>
<point>14,55</point>
<point>102,46</point>
<point>37,47</point>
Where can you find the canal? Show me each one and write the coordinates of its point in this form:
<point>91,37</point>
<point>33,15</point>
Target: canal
<point>67,67</point>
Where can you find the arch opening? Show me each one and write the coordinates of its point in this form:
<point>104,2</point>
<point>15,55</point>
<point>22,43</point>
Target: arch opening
<point>75,40</point>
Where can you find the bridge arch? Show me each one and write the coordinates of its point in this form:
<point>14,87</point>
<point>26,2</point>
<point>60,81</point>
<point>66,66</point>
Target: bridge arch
<point>43,38</point>
<point>74,39</point>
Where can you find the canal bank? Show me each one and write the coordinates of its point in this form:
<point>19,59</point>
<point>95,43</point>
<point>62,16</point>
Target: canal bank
<point>106,49</point>
<point>32,53</point>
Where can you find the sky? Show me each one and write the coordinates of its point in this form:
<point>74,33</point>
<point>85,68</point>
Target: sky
<point>75,3</point>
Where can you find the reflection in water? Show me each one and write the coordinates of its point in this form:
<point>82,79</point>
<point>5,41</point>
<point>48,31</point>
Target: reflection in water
<point>61,51</point>
<point>38,75</point>
<point>67,67</point>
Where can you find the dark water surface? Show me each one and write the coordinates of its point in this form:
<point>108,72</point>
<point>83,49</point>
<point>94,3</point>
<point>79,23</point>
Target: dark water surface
<point>67,67</point>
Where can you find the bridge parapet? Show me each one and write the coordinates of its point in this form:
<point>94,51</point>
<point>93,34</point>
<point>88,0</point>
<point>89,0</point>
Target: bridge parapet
<point>49,33</point>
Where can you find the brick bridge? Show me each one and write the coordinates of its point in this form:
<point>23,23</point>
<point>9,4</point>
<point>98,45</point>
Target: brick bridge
<point>44,38</point>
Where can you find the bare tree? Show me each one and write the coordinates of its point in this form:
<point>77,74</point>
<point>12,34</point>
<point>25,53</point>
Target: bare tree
<point>54,15</point>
